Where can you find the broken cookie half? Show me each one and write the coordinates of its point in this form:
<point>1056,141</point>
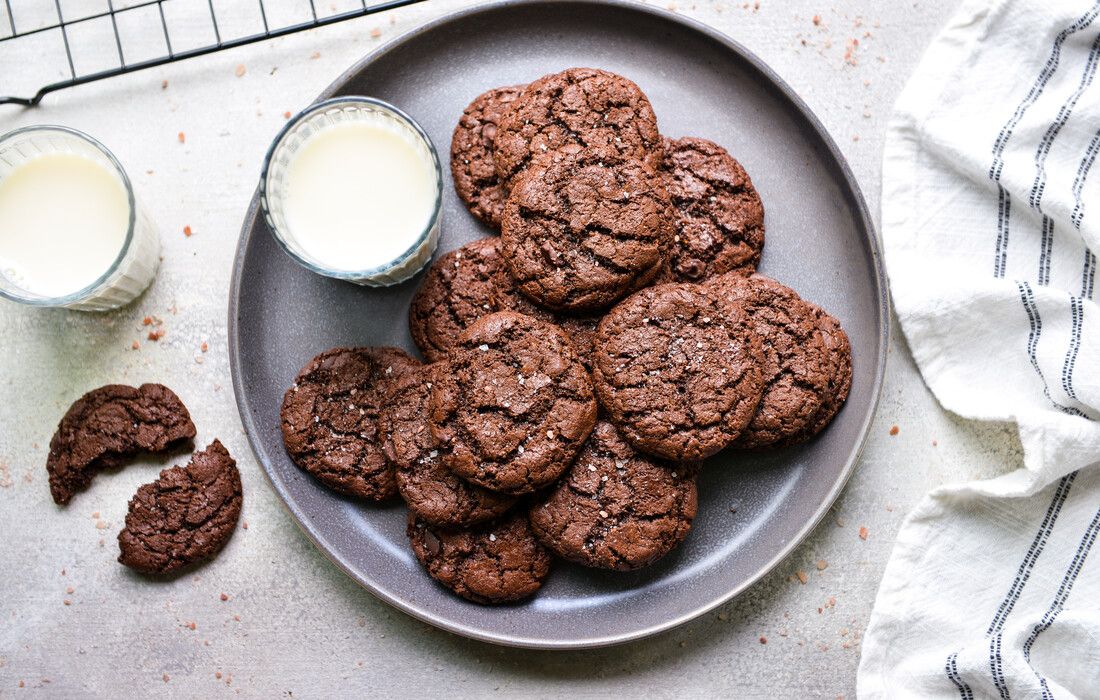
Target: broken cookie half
<point>184,517</point>
<point>107,426</point>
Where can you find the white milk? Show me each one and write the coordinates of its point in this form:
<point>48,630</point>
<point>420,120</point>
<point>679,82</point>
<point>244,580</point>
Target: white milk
<point>358,195</point>
<point>63,221</point>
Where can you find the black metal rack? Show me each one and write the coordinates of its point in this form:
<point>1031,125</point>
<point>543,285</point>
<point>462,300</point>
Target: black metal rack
<point>63,29</point>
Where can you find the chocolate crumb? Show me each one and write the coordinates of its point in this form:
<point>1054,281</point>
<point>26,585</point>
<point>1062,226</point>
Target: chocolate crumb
<point>224,597</point>
<point>894,430</point>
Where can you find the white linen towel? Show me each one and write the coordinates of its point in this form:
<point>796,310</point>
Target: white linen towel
<point>991,222</point>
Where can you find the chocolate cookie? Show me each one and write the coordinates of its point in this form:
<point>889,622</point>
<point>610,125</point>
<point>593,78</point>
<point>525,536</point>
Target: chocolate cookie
<point>677,372</point>
<point>184,517</point>
<point>840,372</point>
<point>472,168</point>
<point>616,508</point>
<point>797,365</point>
<point>496,562</point>
<point>577,107</point>
<point>582,333</point>
<point>109,425</point>
<point>330,419</point>
<point>579,233</point>
<point>516,407</point>
<point>459,288</point>
<point>719,220</point>
<point>431,490</point>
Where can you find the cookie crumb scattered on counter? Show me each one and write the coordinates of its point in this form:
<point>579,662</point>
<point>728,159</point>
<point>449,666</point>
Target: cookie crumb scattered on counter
<point>135,345</point>
<point>67,602</point>
<point>763,639</point>
<point>190,625</point>
<point>862,533</point>
<point>204,347</point>
<point>156,334</point>
<point>182,137</point>
<point>822,564</point>
<point>894,430</point>
<point>935,444</point>
<point>802,577</point>
<point>376,32</point>
<point>240,70</point>
<point>286,114</point>
<point>164,85</point>
<point>315,55</point>
<point>723,616</point>
<point>187,231</point>
<point>165,678</point>
<point>245,525</point>
<point>70,590</point>
<point>817,20</point>
<point>224,597</point>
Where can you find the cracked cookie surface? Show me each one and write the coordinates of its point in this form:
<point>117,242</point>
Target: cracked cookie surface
<point>578,107</point>
<point>796,363</point>
<point>678,374</point>
<point>330,419</point>
<point>184,517</point>
<point>472,167</point>
<point>516,407</point>
<point>616,508</point>
<point>719,218</point>
<point>580,233</point>
<point>108,426</point>
<point>431,490</point>
<point>458,289</point>
<point>840,372</point>
<point>495,562</point>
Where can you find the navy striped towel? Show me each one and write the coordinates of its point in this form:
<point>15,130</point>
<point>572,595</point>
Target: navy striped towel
<point>991,225</point>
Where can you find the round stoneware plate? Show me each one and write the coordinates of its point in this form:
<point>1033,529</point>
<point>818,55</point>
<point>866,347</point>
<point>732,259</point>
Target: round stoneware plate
<point>753,508</point>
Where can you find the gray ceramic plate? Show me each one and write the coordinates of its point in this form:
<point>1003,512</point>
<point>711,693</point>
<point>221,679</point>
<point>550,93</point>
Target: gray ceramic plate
<point>753,509</point>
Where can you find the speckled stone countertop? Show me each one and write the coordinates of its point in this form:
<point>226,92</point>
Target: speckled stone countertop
<point>75,623</point>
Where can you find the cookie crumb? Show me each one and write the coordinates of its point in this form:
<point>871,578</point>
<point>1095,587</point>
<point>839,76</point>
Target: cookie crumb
<point>70,590</point>
<point>182,137</point>
<point>315,55</point>
<point>802,577</point>
<point>67,602</point>
<point>245,525</point>
<point>190,625</point>
<point>286,114</point>
<point>224,597</point>
<point>164,85</point>
<point>822,564</point>
<point>376,32</point>
<point>204,347</point>
<point>165,678</point>
<point>187,231</point>
<point>763,639</point>
<point>218,675</point>
<point>894,430</point>
<point>240,71</point>
<point>156,334</point>
<point>863,533</point>
<point>817,20</point>
<point>723,616</point>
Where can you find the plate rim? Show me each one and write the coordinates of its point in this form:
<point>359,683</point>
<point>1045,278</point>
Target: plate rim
<point>596,640</point>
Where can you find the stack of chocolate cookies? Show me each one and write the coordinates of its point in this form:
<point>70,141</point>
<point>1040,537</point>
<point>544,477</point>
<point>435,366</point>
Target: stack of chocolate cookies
<point>582,366</point>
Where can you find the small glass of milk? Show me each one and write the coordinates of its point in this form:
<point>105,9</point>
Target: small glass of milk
<point>71,233</point>
<point>351,189</point>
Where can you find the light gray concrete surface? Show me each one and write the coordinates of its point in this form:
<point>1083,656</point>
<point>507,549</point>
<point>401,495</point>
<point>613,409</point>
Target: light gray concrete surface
<point>75,623</point>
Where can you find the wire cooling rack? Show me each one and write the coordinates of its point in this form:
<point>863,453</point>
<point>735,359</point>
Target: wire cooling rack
<point>57,44</point>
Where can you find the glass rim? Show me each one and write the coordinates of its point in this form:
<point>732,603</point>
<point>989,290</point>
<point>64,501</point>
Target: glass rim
<point>309,112</point>
<point>86,291</point>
